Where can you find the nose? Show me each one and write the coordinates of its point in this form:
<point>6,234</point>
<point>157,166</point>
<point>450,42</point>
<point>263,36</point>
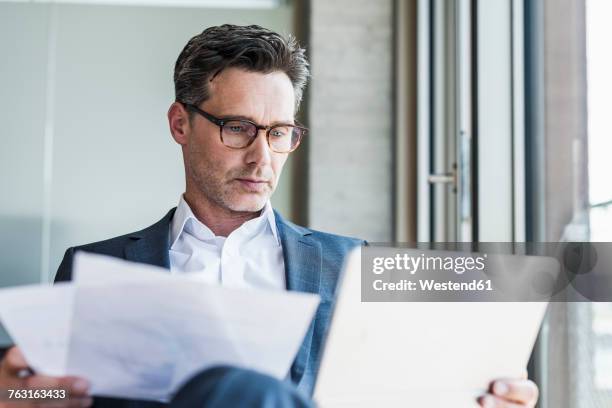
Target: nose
<point>259,153</point>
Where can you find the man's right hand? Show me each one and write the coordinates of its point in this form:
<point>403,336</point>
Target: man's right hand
<point>12,369</point>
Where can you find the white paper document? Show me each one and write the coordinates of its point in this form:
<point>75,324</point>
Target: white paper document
<point>136,331</point>
<point>40,319</point>
<point>422,354</point>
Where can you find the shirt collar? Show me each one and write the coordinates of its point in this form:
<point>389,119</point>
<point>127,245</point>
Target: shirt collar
<point>185,219</point>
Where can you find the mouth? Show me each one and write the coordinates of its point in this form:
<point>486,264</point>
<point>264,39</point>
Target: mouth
<point>252,184</point>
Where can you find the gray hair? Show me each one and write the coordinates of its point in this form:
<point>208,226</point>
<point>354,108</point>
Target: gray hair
<point>252,48</point>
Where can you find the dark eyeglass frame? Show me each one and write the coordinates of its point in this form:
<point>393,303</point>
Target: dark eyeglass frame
<point>223,121</point>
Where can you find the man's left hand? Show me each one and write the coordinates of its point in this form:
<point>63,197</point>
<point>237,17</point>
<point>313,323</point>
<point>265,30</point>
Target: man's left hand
<point>510,393</point>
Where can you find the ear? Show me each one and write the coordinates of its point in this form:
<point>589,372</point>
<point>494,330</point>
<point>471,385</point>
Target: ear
<point>178,119</point>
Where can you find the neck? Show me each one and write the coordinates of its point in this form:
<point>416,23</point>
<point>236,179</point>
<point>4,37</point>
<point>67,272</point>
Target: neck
<point>221,221</point>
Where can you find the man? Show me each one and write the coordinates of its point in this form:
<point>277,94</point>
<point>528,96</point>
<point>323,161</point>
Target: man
<point>237,93</point>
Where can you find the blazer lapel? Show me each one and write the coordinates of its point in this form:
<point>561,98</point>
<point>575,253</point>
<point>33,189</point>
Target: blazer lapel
<point>302,257</point>
<point>151,245</point>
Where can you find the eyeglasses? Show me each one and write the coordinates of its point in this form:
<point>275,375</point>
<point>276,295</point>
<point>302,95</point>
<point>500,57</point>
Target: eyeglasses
<point>239,133</point>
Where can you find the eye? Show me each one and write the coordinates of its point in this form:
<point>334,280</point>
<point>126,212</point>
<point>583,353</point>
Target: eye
<point>238,128</point>
<point>279,132</point>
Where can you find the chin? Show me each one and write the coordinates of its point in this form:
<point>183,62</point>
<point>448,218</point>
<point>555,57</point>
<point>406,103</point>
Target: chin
<point>248,204</point>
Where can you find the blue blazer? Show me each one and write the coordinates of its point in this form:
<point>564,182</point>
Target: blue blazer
<point>313,262</point>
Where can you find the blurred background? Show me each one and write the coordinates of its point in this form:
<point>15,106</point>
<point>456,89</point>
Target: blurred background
<point>431,120</point>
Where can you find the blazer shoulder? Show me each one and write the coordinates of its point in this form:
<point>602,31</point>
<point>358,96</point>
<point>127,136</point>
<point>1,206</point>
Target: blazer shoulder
<point>113,246</point>
<point>334,247</point>
<point>327,237</point>
<point>341,242</point>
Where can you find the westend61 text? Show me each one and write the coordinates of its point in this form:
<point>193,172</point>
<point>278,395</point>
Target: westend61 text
<point>476,285</point>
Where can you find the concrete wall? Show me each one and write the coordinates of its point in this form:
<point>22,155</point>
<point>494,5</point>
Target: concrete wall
<point>350,116</point>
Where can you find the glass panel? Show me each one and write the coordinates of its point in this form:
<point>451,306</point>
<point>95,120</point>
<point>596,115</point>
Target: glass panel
<point>599,67</point>
<point>23,44</point>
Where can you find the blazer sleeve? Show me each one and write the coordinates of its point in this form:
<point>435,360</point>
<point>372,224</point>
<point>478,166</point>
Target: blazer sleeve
<point>64,272</point>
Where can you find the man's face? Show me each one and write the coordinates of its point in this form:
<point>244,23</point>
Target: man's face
<point>238,179</point>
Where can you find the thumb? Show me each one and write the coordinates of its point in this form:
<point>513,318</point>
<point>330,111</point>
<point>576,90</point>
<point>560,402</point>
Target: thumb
<point>13,362</point>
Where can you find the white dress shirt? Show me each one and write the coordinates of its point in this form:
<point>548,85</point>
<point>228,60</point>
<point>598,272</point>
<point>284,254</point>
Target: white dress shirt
<point>249,257</point>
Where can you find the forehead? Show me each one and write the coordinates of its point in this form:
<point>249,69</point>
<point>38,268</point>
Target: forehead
<point>265,97</point>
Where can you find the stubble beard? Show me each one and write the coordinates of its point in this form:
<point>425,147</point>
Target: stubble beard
<point>226,192</point>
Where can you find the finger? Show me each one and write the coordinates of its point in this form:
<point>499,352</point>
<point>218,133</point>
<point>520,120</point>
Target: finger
<point>74,386</point>
<point>13,362</point>
<point>491,401</point>
<point>81,402</point>
<point>523,391</point>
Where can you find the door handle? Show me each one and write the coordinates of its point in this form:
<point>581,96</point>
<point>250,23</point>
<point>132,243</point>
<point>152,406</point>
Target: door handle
<point>444,178</point>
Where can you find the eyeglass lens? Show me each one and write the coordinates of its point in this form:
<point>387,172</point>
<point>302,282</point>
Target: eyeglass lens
<point>238,134</point>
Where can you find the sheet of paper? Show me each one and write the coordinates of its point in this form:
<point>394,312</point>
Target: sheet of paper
<point>425,354</point>
<point>144,335</point>
<point>38,318</point>
<point>142,340</point>
<point>94,269</point>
